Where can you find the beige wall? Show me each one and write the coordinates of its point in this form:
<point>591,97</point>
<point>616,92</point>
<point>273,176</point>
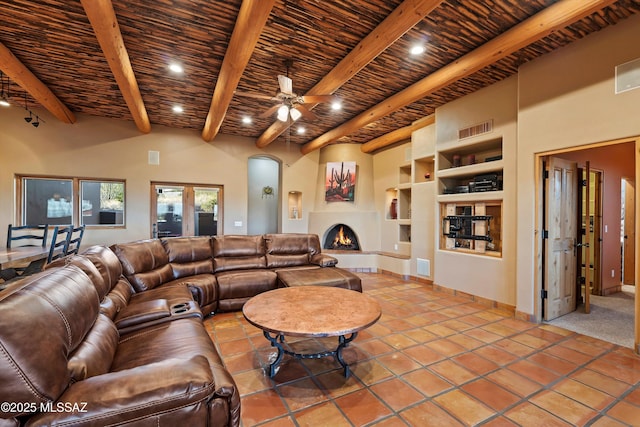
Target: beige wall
<point>106,148</point>
<point>566,99</point>
<point>489,277</point>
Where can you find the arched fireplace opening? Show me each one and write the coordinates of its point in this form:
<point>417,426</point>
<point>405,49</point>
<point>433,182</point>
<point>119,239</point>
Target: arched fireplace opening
<point>341,237</point>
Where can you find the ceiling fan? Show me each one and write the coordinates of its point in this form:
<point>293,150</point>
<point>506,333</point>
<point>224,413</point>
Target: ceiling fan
<point>289,104</point>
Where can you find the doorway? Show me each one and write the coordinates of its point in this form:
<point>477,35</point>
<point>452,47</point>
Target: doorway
<point>263,210</point>
<point>602,228</point>
<point>179,209</point>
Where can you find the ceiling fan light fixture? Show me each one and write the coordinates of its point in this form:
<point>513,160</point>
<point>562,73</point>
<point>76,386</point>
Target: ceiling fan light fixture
<point>295,114</point>
<point>283,113</point>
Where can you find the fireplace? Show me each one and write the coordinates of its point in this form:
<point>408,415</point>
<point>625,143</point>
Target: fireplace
<point>342,238</point>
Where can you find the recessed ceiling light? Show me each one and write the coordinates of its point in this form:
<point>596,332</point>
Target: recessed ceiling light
<point>301,130</point>
<point>417,50</point>
<point>336,106</point>
<point>176,68</point>
<point>178,109</point>
<point>247,120</point>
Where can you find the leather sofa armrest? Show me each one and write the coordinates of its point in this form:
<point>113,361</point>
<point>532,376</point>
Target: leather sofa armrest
<point>147,311</point>
<point>151,390</point>
<point>323,260</point>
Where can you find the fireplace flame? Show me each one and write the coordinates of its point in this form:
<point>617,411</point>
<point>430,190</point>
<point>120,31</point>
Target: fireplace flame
<point>341,239</point>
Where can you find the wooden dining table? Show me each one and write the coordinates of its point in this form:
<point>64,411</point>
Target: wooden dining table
<point>21,256</point>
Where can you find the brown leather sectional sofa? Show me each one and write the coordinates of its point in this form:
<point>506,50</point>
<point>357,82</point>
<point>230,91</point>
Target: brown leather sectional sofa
<point>115,336</point>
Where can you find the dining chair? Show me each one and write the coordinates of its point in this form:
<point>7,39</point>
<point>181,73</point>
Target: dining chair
<point>59,243</point>
<point>75,239</point>
<point>25,235</point>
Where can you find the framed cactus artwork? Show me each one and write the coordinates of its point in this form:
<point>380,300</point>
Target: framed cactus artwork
<point>340,182</point>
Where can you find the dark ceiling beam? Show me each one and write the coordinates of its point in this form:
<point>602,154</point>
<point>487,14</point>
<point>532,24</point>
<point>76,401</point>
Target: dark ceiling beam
<point>553,18</point>
<point>23,77</point>
<point>105,25</point>
<point>251,20</point>
<point>398,135</point>
<point>401,20</point>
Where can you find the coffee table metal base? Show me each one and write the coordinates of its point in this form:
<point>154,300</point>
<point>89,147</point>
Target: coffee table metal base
<point>277,339</point>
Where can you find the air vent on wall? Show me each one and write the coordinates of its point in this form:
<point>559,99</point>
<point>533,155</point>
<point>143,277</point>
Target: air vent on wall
<point>474,130</point>
<point>628,76</point>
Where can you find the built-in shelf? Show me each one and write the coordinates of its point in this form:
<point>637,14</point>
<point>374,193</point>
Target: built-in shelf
<point>470,168</point>
<point>404,175</point>
<point>484,196</point>
<point>424,169</point>
<point>391,204</point>
<point>472,227</point>
<point>295,205</point>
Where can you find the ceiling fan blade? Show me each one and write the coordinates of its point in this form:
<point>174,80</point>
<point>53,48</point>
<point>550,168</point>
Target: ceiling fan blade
<point>255,95</point>
<point>286,84</point>
<point>270,111</point>
<point>306,113</point>
<point>315,99</point>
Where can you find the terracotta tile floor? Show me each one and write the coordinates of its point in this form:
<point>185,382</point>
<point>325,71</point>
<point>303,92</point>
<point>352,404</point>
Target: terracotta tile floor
<point>434,359</point>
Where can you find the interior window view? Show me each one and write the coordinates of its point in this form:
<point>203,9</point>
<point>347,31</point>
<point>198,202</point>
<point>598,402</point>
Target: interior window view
<point>260,213</point>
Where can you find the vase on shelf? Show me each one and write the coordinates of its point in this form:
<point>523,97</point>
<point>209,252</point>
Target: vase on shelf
<point>393,210</point>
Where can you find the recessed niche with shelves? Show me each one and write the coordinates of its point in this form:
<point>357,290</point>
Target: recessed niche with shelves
<point>471,168</point>
<point>404,174</point>
<point>423,169</point>
<point>472,227</point>
<point>391,203</point>
<point>295,205</point>
<point>404,233</point>
<point>404,203</point>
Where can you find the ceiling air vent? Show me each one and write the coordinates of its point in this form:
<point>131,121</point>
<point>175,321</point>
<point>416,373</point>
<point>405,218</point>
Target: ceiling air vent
<point>628,76</point>
<point>474,130</point>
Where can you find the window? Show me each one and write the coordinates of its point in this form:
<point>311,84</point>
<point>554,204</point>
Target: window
<point>185,210</point>
<point>62,201</point>
<point>102,202</point>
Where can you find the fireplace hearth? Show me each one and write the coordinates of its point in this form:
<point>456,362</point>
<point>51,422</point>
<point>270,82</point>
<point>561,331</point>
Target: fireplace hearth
<point>342,238</point>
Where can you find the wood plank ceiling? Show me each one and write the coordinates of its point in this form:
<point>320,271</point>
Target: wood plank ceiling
<point>110,58</point>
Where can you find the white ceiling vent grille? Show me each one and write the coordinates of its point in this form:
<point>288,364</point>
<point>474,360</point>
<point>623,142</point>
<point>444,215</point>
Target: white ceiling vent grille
<point>474,130</point>
<point>628,76</point>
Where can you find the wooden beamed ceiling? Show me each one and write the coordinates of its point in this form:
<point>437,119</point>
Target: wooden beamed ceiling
<point>110,58</point>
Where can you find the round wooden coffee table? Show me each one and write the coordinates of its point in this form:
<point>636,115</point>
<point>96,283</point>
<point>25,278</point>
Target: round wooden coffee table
<point>311,311</point>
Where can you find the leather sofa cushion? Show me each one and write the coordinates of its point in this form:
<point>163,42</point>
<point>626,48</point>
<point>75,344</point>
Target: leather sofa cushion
<point>88,268</point>
<point>235,252</point>
<point>144,263</point>
<point>170,392</point>
<point>117,299</point>
<point>95,353</point>
<point>245,283</point>
<point>55,309</point>
<point>106,262</point>
<point>290,249</point>
<point>330,276</point>
<point>189,256</point>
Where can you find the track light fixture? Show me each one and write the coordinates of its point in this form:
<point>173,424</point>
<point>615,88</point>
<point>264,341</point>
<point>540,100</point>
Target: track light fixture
<point>35,123</point>
<point>4,93</point>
